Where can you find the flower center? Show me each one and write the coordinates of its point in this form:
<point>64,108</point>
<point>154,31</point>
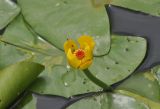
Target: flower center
<point>80,54</point>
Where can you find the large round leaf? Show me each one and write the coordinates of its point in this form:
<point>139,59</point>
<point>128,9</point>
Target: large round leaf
<point>125,55</point>
<point>148,6</point>
<point>10,55</point>
<point>64,82</point>
<point>151,104</point>
<point>8,11</point>
<point>17,33</point>
<point>109,101</point>
<point>26,45</point>
<point>57,20</point>
<point>144,84</point>
<point>60,81</point>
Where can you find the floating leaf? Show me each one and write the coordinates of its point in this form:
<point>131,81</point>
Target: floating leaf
<point>26,103</point>
<point>149,6</point>
<point>144,84</point>
<point>8,11</point>
<point>23,43</point>
<point>124,57</point>
<point>64,82</point>
<point>10,55</point>
<point>109,101</point>
<point>57,20</point>
<point>60,81</point>
<point>151,104</point>
<point>75,82</point>
<point>17,33</point>
<point>15,79</point>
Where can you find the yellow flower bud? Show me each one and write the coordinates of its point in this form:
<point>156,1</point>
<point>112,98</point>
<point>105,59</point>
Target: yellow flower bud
<point>82,57</point>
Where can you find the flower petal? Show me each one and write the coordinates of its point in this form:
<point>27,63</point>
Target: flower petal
<point>73,60</point>
<point>85,65</point>
<point>87,44</point>
<point>86,40</point>
<point>88,53</point>
<point>87,60</point>
<point>69,44</point>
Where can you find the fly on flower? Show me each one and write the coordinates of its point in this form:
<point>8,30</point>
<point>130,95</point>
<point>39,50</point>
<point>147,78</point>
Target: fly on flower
<point>81,56</point>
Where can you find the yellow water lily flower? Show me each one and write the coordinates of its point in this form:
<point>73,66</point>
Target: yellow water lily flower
<point>81,56</point>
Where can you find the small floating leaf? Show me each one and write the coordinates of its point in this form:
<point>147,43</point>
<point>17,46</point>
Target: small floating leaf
<point>8,11</point>
<point>15,79</point>
<point>109,101</point>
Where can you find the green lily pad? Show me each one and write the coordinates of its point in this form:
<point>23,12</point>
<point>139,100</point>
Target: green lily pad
<point>149,6</point>
<point>15,79</point>
<point>157,73</point>
<point>109,101</point>
<point>10,55</point>
<point>57,20</point>
<point>18,33</point>
<point>151,104</point>
<point>8,11</point>
<point>62,81</point>
<point>144,84</point>
<point>27,45</point>
<point>21,36</point>
<point>28,102</point>
<point>68,82</point>
<point>124,57</point>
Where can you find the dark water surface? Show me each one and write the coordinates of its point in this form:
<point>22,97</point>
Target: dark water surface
<point>128,22</point>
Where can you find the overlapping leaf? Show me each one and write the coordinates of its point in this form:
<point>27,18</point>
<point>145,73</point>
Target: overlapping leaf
<point>124,57</point>
<point>144,84</point>
<point>17,33</point>
<point>15,79</point>
<point>109,101</point>
<point>141,88</point>
<point>61,81</point>
<point>148,6</point>
<point>57,20</point>
<point>10,55</point>
<point>8,11</point>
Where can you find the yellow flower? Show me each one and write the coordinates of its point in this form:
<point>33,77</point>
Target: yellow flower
<point>80,57</point>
